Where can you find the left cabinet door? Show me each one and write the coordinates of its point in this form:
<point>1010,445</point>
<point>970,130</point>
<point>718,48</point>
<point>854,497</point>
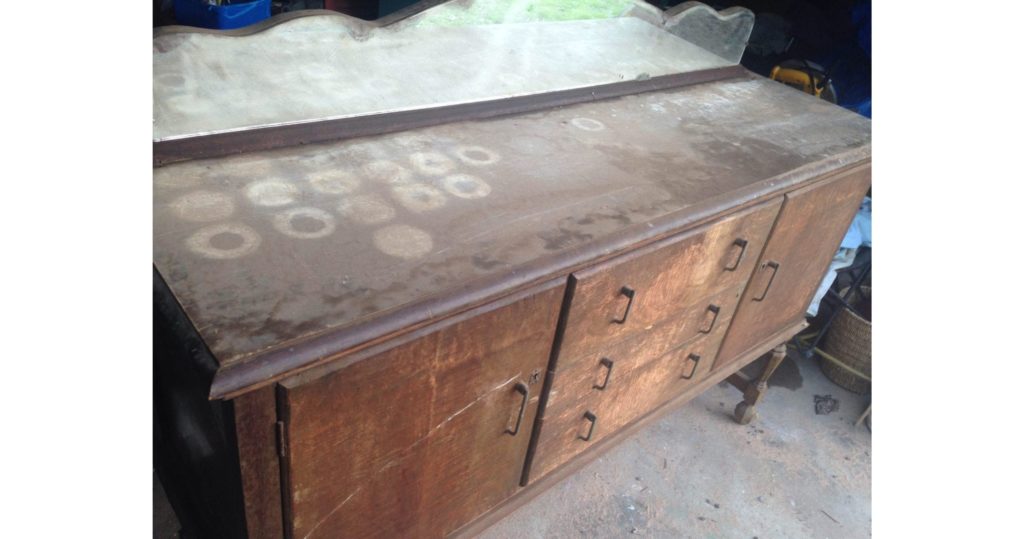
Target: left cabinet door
<point>419,439</point>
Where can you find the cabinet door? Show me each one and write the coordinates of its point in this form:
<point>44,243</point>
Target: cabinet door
<point>422,438</point>
<point>806,236</point>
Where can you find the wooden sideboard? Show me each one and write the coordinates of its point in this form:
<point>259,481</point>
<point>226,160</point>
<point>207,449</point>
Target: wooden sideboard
<point>409,334</point>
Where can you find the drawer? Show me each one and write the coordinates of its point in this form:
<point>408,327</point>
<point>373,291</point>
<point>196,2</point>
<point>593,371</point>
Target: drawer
<point>625,295</point>
<point>597,371</point>
<point>584,395</point>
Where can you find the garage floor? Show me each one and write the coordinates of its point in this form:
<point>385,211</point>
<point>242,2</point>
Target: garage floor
<point>696,473</point>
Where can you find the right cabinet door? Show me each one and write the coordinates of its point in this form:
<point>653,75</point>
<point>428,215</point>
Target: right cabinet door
<point>806,235</point>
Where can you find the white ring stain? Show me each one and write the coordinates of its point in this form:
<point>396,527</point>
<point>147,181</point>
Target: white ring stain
<point>466,186</point>
<point>477,155</point>
<point>587,124</point>
<point>432,163</point>
<point>284,223</point>
<point>366,209</point>
<point>271,193</point>
<point>419,197</point>
<point>334,182</point>
<point>387,172</point>
<point>201,242</point>
<point>403,241</point>
<point>203,206</point>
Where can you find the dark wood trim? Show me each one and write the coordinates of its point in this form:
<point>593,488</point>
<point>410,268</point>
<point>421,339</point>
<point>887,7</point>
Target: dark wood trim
<point>600,447</point>
<point>290,358</point>
<point>549,378</point>
<point>256,430</point>
<point>283,135</point>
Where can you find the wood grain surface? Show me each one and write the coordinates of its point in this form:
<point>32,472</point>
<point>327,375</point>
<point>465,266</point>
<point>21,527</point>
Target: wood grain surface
<point>648,369</point>
<point>806,236</point>
<point>665,278</point>
<point>418,441</point>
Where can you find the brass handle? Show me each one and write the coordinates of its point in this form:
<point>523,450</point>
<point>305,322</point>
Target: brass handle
<point>521,388</point>
<point>593,422</point>
<point>696,361</point>
<point>713,309</point>
<point>629,293</point>
<point>742,244</point>
<point>775,270</point>
<point>608,364</point>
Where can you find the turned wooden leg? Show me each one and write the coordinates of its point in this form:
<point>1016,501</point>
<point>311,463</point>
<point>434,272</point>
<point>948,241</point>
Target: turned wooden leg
<point>745,410</point>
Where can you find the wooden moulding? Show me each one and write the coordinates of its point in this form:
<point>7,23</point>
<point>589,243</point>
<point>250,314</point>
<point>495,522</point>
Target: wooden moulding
<point>311,132</point>
<point>600,447</point>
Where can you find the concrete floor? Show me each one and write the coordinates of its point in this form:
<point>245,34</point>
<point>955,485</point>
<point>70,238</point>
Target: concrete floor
<point>696,473</point>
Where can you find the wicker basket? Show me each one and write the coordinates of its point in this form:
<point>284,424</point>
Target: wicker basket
<point>849,341</point>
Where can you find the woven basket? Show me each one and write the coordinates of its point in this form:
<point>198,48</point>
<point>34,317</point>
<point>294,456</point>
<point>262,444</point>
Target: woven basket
<point>849,341</point>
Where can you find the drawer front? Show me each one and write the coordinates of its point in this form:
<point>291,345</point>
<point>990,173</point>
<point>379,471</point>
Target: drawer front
<point>644,372</point>
<point>625,295</point>
<point>810,227</point>
<point>421,438</point>
<point>586,377</point>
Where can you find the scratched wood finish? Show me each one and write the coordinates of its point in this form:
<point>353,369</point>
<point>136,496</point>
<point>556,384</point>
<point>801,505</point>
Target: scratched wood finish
<point>665,278</point>
<point>417,442</point>
<point>538,487</point>
<point>255,428</point>
<point>635,351</point>
<point>655,367</point>
<point>807,233</point>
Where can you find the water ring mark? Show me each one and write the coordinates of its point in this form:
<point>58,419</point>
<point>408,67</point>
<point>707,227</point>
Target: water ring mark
<point>432,163</point>
<point>466,186</point>
<point>587,124</point>
<point>403,241</point>
<point>224,241</point>
<point>334,182</point>
<point>271,193</point>
<point>477,155</point>
<point>304,223</point>
<point>419,197</point>
<point>387,172</point>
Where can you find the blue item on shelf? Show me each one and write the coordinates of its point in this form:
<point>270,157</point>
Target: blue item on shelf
<point>226,16</point>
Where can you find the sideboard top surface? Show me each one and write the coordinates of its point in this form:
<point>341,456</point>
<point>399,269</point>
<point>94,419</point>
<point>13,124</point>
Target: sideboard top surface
<point>266,250</point>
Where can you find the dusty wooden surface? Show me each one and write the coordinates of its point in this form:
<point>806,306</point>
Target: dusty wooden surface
<point>266,250</point>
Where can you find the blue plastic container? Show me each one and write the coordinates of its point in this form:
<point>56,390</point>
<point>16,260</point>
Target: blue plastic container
<point>234,15</point>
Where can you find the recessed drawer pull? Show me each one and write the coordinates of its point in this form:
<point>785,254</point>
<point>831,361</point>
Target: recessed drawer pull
<point>593,423</point>
<point>520,388</point>
<point>742,244</point>
<point>696,361</point>
<point>629,293</point>
<point>775,269</point>
<point>714,310</point>
<point>607,363</point>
